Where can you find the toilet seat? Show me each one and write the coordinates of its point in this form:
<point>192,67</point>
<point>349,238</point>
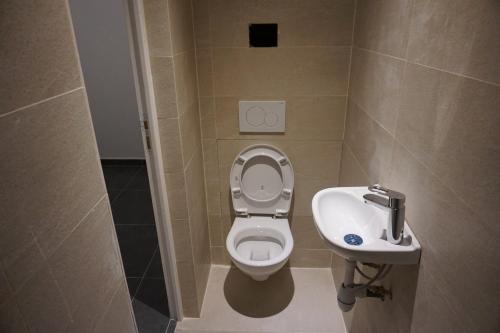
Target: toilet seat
<point>261,181</point>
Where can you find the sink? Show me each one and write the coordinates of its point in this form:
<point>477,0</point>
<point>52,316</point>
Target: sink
<point>356,230</point>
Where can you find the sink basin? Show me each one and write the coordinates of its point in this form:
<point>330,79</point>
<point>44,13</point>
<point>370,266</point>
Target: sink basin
<point>343,219</point>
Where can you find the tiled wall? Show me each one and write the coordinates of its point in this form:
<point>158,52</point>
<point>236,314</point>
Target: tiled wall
<point>423,118</point>
<point>60,267</point>
<point>309,70</point>
<point>169,27</point>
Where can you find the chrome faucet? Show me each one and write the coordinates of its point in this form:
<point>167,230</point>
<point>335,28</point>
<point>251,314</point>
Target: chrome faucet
<point>395,202</point>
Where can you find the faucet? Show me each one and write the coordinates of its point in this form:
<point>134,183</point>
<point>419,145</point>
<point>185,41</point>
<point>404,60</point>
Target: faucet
<point>395,202</point>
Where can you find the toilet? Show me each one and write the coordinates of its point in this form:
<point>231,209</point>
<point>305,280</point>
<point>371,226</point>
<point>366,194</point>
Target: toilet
<point>261,182</point>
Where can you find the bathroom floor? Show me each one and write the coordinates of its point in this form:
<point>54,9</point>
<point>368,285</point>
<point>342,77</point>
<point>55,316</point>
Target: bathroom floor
<point>128,189</point>
<point>294,300</point>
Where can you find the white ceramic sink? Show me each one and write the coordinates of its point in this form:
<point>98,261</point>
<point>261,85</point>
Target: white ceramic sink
<point>341,211</point>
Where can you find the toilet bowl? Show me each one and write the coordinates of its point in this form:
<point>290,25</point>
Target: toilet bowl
<point>259,246</point>
<point>260,240</point>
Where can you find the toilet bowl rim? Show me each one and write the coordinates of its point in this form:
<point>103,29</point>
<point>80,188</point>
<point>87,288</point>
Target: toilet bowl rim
<point>285,253</point>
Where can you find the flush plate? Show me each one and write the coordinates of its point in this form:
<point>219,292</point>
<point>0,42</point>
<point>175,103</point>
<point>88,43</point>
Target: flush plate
<point>262,116</point>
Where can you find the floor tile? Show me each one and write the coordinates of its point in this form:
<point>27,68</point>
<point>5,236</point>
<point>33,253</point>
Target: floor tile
<point>133,207</point>
<point>137,246</point>
<point>155,269</point>
<point>133,284</point>
<point>152,293</point>
<point>296,300</point>
<point>118,177</point>
<point>113,194</point>
<point>148,319</point>
<point>140,180</point>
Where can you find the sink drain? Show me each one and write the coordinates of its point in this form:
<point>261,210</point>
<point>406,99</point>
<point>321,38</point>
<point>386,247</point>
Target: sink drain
<point>353,239</point>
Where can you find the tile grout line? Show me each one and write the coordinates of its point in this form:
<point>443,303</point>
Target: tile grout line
<point>41,102</point>
<point>430,67</point>
<point>145,272</point>
<point>424,165</point>
<point>91,210</point>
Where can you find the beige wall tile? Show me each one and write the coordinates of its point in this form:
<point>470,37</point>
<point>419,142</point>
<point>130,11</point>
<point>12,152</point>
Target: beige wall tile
<point>182,242</point>
<point>42,315</point>
<point>281,71</point>
<point>442,159</point>
<point>215,226</point>
<point>171,145</point>
<point>49,168</point>
<point>176,187</point>
<point>435,213</point>
<point>18,269</point>
<point>5,288</point>
<point>11,320</point>
<point>375,85</point>
<point>198,222</point>
<point>157,27</point>
<point>310,258</point>
<point>189,297</point>
<point>305,234</point>
<point>202,270</point>
<point>185,80</point>
<point>181,25</point>
<point>300,23</point>
<point>164,86</point>
<point>383,25</point>
<point>118,318</point>
<point>88,263</point>
<point>370,143</point>
<point>210,160</point>
<point>201,16</point>
<point>190,133</point>
<point>204,69</point>
<point>29,76</point>
<point>51,181</point>
<point>305,189</point>
<point>220,255</point>
<point>307,118</point>
<point>445,119</point>
<point>351,173</point>
<point>463,38</point>
<point>213,196</point>
<point>207,115</point>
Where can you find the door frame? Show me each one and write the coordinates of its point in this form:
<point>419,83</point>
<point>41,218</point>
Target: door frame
<point>143,81</point>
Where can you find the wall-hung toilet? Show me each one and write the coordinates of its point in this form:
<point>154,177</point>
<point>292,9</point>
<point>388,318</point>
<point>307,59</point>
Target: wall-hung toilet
<point>260,240</point>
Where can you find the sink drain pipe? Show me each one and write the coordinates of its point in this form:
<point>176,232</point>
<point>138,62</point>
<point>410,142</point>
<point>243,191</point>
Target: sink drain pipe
<point>349,290</point>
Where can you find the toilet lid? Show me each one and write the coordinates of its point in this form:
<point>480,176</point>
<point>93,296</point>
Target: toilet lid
<point>261,181</point>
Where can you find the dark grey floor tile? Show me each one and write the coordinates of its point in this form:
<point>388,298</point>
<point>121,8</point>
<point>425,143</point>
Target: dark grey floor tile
<point>137,245</point>
<point>148,319</point>
<point>127,162</point>
<point>152,292</point>
<point>133,207</point>
<point>113,194</point>
<point>118,177</point>
<point>140,180</point>
<point>133,284</point>
<point>155,269</point>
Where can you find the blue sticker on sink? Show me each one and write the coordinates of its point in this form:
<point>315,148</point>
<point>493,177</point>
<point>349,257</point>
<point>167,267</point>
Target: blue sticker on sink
<point>353,239</point>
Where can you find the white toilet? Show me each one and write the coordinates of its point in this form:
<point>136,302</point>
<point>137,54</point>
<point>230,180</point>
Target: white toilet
<point>260,240</point>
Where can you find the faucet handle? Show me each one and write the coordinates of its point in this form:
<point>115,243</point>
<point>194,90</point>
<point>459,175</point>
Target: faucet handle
<point>394,196</point>
<point>377,188</point>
